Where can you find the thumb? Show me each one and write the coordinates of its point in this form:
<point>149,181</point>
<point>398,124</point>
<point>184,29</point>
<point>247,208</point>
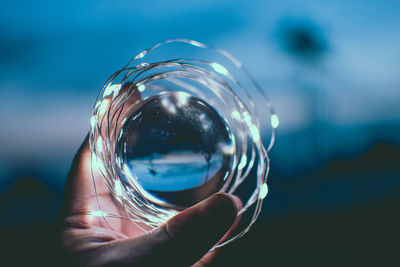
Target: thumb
<point>182,240</point>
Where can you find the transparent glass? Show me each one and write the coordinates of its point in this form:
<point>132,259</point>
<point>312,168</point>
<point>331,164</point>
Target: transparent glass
<point>176,146</point>
<point>178,123</point>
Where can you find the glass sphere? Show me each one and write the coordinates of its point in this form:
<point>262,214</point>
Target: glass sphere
<point>177,147</point>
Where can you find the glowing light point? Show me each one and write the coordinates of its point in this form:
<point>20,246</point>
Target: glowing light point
<point>112,88</point>
<point>255,133</point>
<point>219,68</point>
<point>264,191</point>
<point>104,106</point>
<point>243,162</point>
<point>274,121</point>
<point>142,54</point>
<point>99,144</point>
<point>93,122</point>
<point>246,117</point>
<point>141,88</point>
<point>143,65</point>
<point>236,115</point>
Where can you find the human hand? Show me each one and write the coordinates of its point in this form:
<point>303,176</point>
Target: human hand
<point>184,240</point>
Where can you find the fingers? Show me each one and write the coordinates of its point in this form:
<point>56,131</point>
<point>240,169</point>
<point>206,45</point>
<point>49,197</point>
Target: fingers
<point>181,241</point>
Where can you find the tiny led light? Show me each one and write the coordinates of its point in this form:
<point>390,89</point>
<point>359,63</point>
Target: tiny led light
<point>264,191</point>
<point>219,68</point>
<point>274,121</point>
<point>141,88</point>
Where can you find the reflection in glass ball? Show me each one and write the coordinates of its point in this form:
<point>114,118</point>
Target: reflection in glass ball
<point>178,148</point>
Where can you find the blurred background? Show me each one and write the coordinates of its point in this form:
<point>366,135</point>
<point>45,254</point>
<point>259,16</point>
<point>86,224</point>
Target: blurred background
<point>331,69</point>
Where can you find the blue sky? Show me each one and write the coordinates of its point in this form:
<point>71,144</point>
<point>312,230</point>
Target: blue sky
<point>55,55</point>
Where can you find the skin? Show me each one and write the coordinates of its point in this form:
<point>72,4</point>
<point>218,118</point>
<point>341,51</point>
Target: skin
<point>184,240</point>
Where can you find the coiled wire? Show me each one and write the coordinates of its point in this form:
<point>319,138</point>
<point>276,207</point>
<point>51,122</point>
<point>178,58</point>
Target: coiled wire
<point>213,75</point>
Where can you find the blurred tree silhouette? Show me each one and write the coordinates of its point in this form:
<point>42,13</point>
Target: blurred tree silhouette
<point>302,39</point>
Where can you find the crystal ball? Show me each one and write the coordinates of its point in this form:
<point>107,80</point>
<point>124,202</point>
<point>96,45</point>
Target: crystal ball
<point>177,148</point>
